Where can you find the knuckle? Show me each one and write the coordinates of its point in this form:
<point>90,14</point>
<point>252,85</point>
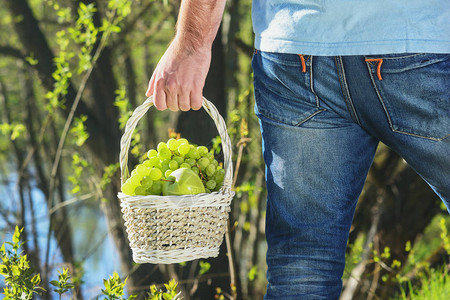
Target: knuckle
<point>159,83</point>
<point>171,86</point>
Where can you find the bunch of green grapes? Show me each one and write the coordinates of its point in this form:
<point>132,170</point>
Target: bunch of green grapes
<point>147,178</point>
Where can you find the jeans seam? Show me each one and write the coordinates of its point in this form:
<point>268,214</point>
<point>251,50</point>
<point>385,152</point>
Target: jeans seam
<point>311,83</point>
<point>286,123</point>
<point>386,112</point>
<point>344,89</point>
<point>396,57</point>
<point>309,117</point>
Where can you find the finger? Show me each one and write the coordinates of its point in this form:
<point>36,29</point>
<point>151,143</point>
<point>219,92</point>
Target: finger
<point>159,96</point>
<point>150,88</point>
<point>196,100</point>
<point>171,95</point>
<point>184,103</point>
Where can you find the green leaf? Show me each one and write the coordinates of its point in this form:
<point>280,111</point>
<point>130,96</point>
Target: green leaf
<point>16,236</point>
<point>15,270</point>
<point>115,29</point>
<point>106,284</point>
<point>253,273</point>
<point>36,279</point>
<point>31,60</point>
<point>204,267</point>
<point>54,283</point>
<point>3,270</point>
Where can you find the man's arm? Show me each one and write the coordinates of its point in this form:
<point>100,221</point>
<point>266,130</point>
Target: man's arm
<point>179,77</point>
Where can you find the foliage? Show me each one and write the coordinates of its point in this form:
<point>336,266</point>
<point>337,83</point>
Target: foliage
<point>63,283</point>
<point>114,288</point>
<point>434,284</point>
<point>20,279</point>
<point>204,267</point>
<point>416,278</point>
<point>171,292</point>
<point>123,103</point>
<point>22,282</point>
<point>13,130</point>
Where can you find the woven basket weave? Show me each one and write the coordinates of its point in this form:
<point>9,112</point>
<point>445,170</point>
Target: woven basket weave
<point>172,229</point>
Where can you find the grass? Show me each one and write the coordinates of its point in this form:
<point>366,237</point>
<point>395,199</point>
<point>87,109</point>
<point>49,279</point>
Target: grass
<point>434,285</point>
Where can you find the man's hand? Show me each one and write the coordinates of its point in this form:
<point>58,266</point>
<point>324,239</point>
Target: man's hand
<point>179,77</point>
<point>178,80</point>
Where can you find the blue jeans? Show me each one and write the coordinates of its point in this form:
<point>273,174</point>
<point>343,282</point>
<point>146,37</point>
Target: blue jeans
<point>321,121</point>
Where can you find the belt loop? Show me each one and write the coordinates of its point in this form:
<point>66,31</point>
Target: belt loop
<point>302,58</point>
<point>380,62</point>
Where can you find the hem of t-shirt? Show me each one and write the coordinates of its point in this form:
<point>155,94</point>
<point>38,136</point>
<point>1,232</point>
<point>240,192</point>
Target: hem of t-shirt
<point>352,48</point>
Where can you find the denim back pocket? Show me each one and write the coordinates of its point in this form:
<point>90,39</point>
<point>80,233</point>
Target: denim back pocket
<point>283,88</point>
<point>414,90</point>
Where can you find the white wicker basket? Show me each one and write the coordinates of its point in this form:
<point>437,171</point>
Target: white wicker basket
<point>172,229</point>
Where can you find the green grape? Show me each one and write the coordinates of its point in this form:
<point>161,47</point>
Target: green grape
<point>172,144</point>
<point>203,163</point>
<point>173,165</point>
<point>192,162</point>
<point>147,163</point>
<point>128,188</point>
<point>219,176</point>
<point>207,190</point>
<point>193,153</point>
<point>133,172</point>
<point>210,170</point>
<point>146,182</point>
<point>196,170</point>
<point>140,190</point>
<point>154,161</point>
<point>211,184</point>
<point>135,180</point>
<point>183,149</point>
<point>165,164</point>
<point>161,146</point>
<point>209,155</point>
<point>152,153</point>
<point>167,173</point>
<point>215,163</point>
<point>185,165</point>
<point>182,141</point>
<point>155,174</point>
<point>178,159</point>
<point>156,188</point>
<point>142,170</point>
<point>202,150</point>
<point>164,153</point>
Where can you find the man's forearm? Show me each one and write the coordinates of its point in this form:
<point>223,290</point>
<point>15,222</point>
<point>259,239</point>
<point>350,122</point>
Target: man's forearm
<point>198,22</point>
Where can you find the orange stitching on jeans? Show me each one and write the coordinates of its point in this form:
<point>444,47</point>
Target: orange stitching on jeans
<point>303,63</point>
<point>380,61</point>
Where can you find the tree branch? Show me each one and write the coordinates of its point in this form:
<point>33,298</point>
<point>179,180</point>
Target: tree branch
<point>11,51</point>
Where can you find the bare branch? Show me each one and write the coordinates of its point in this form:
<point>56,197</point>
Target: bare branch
<point>11,51</point>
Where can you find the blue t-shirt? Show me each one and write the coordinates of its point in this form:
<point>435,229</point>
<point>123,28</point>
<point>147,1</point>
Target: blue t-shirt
<point>352,27</point>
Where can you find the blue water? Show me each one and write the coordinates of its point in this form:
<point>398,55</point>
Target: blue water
<point>94,249</point>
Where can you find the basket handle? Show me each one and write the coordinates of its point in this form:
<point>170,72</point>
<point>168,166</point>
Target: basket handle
<point>140,111</point>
